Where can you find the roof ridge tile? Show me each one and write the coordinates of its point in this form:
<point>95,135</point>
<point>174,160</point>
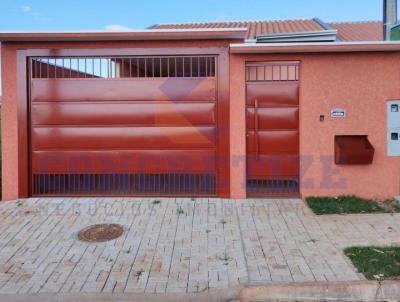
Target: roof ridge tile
<point>356,22</point>
<point>230,21</point>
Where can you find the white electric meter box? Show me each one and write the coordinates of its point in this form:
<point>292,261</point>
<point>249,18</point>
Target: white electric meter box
<point>393,128</point>
<point>393,114</point>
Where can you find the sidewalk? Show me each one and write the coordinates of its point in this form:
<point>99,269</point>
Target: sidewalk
<point>178,245</point>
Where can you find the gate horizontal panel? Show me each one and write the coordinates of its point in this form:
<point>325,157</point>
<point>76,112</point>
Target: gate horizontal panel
<point>115,184</point>
<point>124,161</point>
<point>274,118</point>
<point>79,138</point>
<point>118,113</point>
<point>157,89</point>
<point>273,142</point>
<point>278,164</point>
<point>273,94</point>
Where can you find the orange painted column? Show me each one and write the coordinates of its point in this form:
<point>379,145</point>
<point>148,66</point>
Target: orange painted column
<point>237,134</point>
<point>9,125</point>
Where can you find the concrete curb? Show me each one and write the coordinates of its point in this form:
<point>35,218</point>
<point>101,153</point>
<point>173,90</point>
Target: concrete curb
<point>230,294</point>
<point>323,291</point>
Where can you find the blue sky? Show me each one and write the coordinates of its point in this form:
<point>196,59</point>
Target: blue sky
<point>100,14</point>
<point>36,15</point>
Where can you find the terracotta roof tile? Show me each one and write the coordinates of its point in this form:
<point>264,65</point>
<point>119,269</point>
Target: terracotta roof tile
<point>347,31</point>
<point>253,27</point>
<point>359,31</point>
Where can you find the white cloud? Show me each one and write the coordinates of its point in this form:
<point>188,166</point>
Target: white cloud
<point>116,27</point>
<point>221,17</point>
<point>26,8</point>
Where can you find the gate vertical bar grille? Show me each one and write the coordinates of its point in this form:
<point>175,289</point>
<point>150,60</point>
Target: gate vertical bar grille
<point>272,72</point>
<point>124,184</point>
<point>273,186</point>
<point>123,67</point>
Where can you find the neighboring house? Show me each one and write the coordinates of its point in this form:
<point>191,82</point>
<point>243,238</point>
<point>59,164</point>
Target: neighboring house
<point>229,109</point>
<point>346,31</point>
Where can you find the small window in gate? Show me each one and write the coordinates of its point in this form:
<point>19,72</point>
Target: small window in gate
<point>124,67</point>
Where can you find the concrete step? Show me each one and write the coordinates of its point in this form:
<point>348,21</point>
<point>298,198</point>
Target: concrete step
<point>323,291</point>
<point>214,295</point>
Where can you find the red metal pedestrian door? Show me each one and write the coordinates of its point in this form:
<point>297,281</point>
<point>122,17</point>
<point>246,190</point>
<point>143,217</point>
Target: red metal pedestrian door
<point>272,109</point>
<point>123,126</point>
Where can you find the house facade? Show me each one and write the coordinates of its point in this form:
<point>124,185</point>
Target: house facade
<point>234,110</point>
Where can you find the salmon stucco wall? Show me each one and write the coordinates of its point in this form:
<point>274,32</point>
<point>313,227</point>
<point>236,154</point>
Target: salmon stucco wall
<point>9,125</point>
<point>238,126</point>
<point>360,83</point>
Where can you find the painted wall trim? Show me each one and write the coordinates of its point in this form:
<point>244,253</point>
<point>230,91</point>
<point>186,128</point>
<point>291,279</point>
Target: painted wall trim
<point>151,34</point>
<point>254,48</point>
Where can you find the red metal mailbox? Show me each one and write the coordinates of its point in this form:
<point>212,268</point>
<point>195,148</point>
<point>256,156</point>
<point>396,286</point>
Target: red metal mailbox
<point>353,150</point>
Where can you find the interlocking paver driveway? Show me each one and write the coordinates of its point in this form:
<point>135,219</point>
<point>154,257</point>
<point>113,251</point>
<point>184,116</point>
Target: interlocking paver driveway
<point>177,245</point>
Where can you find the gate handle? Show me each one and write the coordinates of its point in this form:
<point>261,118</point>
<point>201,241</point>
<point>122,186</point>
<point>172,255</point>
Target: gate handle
<point>256,127</point>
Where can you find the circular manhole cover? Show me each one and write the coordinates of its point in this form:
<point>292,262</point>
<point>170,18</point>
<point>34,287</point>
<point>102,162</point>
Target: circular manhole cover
<point>100,232</point>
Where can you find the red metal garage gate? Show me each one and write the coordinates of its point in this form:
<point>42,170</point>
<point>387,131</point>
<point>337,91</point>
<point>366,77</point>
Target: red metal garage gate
<point>123,125</point>
<point>272,90</point>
